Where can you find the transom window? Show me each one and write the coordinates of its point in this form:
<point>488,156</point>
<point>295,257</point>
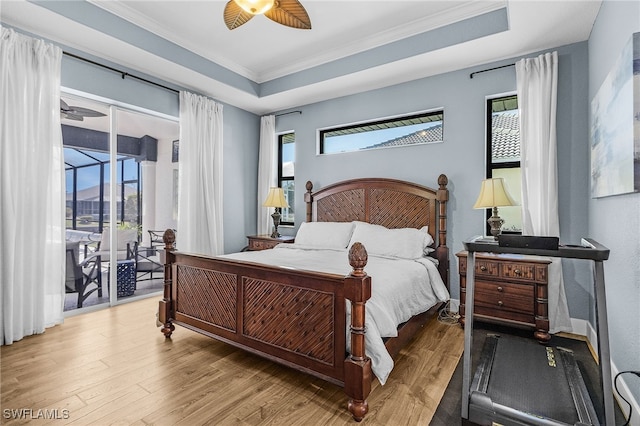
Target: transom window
<point>421,128</point>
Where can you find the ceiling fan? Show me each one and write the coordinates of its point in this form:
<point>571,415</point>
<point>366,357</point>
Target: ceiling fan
<point>286,12</point>
<point>77,113</point>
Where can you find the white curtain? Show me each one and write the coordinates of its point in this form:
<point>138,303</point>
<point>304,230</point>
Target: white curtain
<point>200,176</point>
<point>537,81</point>
<point>267,170</point>
<point>32,245</point>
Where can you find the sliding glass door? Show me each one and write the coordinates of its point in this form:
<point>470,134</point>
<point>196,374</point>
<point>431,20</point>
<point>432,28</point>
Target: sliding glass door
<point>113,157</point>
<point>85,127</point>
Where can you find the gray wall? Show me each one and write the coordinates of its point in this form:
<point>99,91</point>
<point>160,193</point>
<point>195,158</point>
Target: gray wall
<point>461,156</point>
<point>615,221</point>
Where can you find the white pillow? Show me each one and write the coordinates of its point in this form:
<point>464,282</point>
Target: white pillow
<point>407,243</point>
<point>331,235</point>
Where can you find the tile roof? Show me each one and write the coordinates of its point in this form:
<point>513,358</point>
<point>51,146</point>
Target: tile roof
<point>429,135</point>
<point>506,137</point>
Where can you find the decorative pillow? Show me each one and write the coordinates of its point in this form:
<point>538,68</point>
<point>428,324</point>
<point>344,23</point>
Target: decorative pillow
<point>331,235</point>
<point>407,243</point>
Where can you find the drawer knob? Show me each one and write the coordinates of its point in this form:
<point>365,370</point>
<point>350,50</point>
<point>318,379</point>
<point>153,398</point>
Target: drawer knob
<point>517,271</point>
<point>483,268</point>
<point>500,289</point>
<point>500,303</point>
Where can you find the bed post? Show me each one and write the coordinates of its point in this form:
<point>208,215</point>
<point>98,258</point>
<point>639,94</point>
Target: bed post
<point>165,308</point>
<point>357,367</point>
<point>309,200</point>
<point>442,251</point>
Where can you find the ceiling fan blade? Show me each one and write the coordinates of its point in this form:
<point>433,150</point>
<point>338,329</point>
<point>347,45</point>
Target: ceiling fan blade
<point>85,112</point>
<point>71,116</point>
<point>290,13</point>
<point>234,15</point>
<point>63,106</point>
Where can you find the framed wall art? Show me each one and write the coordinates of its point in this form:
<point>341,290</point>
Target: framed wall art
<point>615,127</point>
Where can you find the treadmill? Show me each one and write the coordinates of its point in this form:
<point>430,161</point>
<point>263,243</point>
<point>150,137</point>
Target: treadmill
<point>518,381</point>
<point>521,382</point>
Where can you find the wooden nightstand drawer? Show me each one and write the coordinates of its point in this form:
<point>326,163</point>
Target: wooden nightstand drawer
<point>504,297</point>
<point>502,314</point>
<point>265,242</point>
<point>518,271</point>
<point>509,301</point>
<point>483,267</point>
<point>505,289</point>
<point>486,268</point>
<point>527,272</point>
<point>261,244</point>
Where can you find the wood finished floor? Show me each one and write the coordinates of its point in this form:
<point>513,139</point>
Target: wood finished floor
<point>114,367</point>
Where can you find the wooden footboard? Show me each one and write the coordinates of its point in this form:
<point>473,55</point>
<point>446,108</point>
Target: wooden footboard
<point>296,318</point>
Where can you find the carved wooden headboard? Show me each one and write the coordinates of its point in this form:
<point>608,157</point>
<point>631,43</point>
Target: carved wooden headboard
<point>388,202</point>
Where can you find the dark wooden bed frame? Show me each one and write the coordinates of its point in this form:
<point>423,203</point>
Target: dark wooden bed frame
<point>298,318</point>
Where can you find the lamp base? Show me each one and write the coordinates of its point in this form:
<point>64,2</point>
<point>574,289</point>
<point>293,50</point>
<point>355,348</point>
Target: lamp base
<point>276,221</point>
<point>495,222</point>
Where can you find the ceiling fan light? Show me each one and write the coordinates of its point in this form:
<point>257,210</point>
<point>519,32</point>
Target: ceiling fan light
<point>255,7</point>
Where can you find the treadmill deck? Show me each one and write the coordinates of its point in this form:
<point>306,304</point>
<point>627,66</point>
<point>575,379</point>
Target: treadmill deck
<point>521,382</point>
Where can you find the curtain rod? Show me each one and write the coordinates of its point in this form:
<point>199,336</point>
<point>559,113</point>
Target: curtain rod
<point>122,73</point>
<point>290,112</point>
<point>490,69</point>
<point>126,74</point>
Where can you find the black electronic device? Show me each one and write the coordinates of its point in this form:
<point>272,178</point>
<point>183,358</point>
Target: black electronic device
<point>520,382</point>
<point>528,241</point>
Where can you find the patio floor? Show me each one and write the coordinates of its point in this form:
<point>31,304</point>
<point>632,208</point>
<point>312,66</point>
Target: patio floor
<point>143,287</point>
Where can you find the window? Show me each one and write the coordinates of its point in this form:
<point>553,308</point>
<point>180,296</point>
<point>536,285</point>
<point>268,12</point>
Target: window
<point>413,129</point>
<point>286,161</point>
<point>503,156</point>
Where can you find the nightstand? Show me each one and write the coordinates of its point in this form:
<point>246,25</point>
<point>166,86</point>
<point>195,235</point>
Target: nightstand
<point>264,242</point>
<point>509,289</point>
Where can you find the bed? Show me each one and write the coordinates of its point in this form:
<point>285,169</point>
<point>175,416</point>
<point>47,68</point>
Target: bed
<point>312,317</point>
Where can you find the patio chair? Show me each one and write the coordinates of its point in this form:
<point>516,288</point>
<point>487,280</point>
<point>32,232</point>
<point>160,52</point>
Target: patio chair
<point>148,262</point>
<point>90,240</point>
<point>81,275</point>
<point>155,238</point>
<point>148,259</point>
<point>126,249</point>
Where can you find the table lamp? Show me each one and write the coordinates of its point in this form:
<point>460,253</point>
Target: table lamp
<point>494,194</point>
<point>276,199</point>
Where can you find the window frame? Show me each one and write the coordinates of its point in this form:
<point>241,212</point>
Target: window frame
<point>374,122</point>
<point>281,178</point>
<point>490,165</point>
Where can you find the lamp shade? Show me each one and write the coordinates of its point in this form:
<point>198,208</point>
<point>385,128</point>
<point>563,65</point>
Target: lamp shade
<point>275,198</point>
<point>255,7</point>
<point>493,193</point>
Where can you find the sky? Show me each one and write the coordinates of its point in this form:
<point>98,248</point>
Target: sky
<point>90,176</point>
<point>356,141</point>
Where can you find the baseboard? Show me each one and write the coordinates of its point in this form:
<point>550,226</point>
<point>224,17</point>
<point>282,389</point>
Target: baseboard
<point>626,393</point>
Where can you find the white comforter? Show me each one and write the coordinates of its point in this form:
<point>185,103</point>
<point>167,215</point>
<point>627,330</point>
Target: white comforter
<point>400,289</point>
